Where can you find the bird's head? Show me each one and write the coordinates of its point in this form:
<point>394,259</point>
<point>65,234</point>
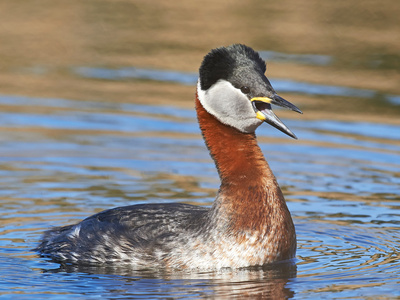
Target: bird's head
<point>233,88</point>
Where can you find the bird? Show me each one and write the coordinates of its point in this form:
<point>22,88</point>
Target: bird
<point>248,224</point>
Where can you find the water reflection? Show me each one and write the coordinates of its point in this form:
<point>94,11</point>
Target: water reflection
<point>257,283</point>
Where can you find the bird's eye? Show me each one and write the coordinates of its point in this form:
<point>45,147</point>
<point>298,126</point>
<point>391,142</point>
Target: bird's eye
<point>245,89</point>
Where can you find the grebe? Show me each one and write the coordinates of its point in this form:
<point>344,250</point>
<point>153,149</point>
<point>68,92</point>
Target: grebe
<point>248,224</point>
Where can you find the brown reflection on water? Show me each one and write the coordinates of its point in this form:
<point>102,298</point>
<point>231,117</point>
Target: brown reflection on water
<point>42,40</point>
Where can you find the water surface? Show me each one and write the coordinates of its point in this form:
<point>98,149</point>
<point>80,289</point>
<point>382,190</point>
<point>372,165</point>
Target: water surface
<point>62,166</point>
<point>102,116</point>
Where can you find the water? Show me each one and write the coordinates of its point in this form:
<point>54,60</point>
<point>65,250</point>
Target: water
<point>83,157</point>
<point>102,116</point>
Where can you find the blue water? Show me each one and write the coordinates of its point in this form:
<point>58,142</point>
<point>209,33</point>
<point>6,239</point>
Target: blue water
<point>67,159</point>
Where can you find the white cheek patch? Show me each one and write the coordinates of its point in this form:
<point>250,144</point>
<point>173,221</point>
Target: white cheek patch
<point>229,106</point>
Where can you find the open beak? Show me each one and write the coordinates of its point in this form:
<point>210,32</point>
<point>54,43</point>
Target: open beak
<point>262,107</point>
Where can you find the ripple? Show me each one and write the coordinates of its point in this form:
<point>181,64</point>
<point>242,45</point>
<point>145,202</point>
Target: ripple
<point>137,73</point>
<point>190,78</point>
<point>350,252</point>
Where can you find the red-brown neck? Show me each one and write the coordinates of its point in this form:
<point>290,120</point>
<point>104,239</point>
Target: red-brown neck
<point>249,195</point>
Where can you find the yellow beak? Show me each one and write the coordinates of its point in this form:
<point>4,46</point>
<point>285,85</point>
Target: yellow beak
<point>260,115</point>
<point>263,110</point>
